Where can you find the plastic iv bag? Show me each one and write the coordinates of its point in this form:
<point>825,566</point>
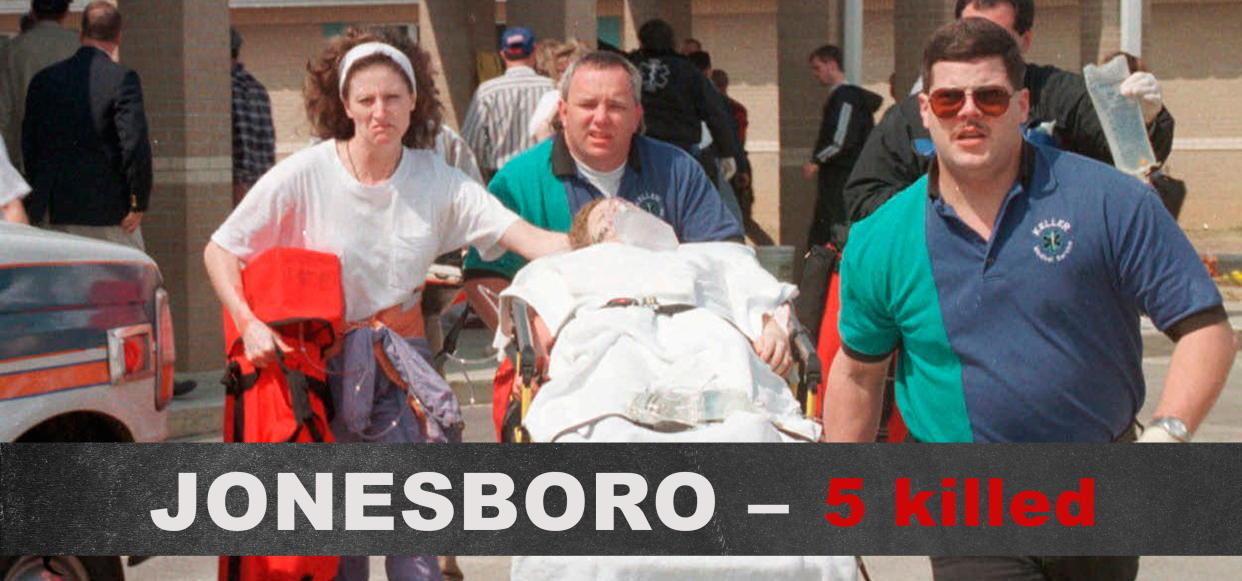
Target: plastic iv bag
<point>1121,118</point>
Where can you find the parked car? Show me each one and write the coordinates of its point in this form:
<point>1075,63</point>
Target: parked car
<point>86,355</point>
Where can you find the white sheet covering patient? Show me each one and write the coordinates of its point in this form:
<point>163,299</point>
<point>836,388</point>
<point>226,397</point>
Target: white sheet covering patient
<point>630,374</point>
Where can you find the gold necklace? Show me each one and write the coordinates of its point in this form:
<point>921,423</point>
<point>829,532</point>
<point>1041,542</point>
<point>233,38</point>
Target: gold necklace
<point>349,154</point>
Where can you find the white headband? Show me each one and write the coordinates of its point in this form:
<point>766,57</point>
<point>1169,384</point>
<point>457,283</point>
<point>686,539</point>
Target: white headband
<point>373,48</point>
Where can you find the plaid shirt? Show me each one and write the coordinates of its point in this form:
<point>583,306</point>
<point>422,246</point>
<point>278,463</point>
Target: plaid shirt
<point>254,138</point>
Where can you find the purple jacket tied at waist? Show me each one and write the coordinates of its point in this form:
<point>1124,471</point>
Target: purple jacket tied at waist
<point>371,407</point>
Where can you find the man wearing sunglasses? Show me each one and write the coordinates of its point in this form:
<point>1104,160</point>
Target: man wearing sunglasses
<point>1013,276</point>
<point>899,150</point>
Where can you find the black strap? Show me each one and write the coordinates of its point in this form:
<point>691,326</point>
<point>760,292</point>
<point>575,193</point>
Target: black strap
<point>234,568</point>
<point>671,310</point>
<point>298,396</point>
<point>233,381</point>
<point>450,338</point>
<point>651,303</point>
<point>300,386</point>
<point>818,267</point>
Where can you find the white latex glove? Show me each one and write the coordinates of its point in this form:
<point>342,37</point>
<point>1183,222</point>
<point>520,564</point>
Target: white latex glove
<point>1157,435</point>
<point>1144,88</point>
<point>728,168</point>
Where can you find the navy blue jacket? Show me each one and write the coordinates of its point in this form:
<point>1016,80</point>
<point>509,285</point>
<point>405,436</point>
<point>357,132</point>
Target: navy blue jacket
<point>85,143</point>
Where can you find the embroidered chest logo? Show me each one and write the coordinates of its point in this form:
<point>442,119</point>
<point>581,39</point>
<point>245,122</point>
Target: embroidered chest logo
<point>650,202</point>
<point>1054,242</point>
<point>655,75</point>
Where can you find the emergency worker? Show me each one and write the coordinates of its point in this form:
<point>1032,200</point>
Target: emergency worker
<point>1013,276</point>
<point>598,153</point>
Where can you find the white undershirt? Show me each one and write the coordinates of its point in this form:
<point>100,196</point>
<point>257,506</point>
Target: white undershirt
<point>608,182</point>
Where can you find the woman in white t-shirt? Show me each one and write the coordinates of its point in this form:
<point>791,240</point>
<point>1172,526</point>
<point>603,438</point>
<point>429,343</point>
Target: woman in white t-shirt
<point>375,194</point>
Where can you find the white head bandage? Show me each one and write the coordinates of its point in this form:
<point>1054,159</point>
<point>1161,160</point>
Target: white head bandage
<point>373,48</point>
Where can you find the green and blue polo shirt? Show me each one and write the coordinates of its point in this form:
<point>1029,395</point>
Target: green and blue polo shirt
<point>1033,335</point>
<point>544,187</point>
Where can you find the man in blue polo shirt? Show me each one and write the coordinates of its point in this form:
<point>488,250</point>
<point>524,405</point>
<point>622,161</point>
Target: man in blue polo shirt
<point>598,153</point>
<point>1012,277</point>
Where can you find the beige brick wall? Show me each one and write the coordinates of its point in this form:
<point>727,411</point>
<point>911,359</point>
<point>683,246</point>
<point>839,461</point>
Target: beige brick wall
<point>1194,53</point>
<point>1196,56</point>
<point>1055,39</point>
<point>1214,198</point>
<point>277,55</point>
<point>744,45</point>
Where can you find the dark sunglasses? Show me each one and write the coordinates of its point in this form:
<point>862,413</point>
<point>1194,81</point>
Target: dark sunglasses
<point>991,101</point>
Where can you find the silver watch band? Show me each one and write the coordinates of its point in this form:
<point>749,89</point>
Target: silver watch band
<point>1173,426</point>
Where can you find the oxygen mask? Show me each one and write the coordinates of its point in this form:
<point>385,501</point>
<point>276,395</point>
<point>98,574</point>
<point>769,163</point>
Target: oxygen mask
<point>637,227</point>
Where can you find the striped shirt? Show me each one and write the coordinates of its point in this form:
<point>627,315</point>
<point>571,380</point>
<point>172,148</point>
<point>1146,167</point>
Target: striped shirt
<point>496,125</point>
<point>254,138</point>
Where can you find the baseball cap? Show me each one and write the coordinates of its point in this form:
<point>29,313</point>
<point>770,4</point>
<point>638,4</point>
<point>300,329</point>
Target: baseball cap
<point>517,42</point>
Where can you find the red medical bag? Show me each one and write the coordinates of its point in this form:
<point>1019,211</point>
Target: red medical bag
<point>298,294</point>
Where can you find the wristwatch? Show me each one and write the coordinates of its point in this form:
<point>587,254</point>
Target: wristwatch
<point>1173,426</point>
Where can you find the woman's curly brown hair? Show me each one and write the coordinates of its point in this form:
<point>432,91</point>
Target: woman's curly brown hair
<point>324,108</point>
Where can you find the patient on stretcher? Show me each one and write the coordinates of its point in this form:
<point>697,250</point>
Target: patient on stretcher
<point>652,341</point>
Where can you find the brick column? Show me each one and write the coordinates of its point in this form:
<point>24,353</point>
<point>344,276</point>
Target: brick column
<point>636,12</point>
<point>180,49</point>
<point>801,26</point>
<point>558,19</point>
<point>913,22</point>
<point>454,31</point>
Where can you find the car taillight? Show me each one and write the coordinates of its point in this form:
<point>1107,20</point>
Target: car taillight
<point>135,349</point>
<point>131,353</point>
<point>167,350</point>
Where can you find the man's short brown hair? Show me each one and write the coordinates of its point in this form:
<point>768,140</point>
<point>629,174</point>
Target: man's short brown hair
<point>971,39</point>
<point>828,53</point>
<point>101,21</point>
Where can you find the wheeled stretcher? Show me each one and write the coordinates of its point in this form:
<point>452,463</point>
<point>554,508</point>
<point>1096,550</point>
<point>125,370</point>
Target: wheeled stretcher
<point>527,371</point>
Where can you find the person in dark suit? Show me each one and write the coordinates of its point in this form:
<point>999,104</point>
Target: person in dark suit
<point>84,138</point>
